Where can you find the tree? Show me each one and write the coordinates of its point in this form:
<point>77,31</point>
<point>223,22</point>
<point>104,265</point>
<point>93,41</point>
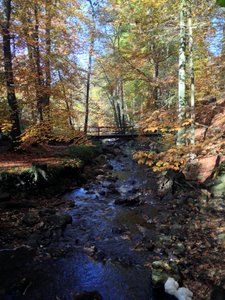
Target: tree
<point>9,77</point>
<point>91,50</point>
<point>182,100</point>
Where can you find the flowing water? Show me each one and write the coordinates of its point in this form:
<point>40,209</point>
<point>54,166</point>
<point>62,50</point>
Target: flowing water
<point>108,243</point>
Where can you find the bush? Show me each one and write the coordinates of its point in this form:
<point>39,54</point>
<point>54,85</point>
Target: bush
<point>84,152</point>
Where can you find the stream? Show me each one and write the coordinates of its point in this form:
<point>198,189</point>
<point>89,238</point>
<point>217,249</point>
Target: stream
<point>110,241</point>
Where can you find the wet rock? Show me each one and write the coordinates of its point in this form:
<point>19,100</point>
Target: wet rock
<point>100,255</point>
<point>100,177</point>
<point>91,250</point>
<point>159,277</point>
<point>99,172</point>
<point>130,201</point>
<point>160,264</point>
<point>101,159</point>
<point>161,270</point>
<point>108,184</point>
<point>59,221</point>
<point>164,186</point>
<point>88,296</point>
<point>107,166</point>
<point>31,219</point>
<point>127,188</point>
<point>103,192</point>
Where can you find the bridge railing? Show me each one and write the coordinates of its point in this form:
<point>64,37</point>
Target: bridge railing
<point>102,130</point>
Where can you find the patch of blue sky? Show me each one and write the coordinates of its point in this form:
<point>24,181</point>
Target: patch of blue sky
<point>216,41</point>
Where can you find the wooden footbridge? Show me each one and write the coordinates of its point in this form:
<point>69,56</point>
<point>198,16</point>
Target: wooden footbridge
<point>100,132</point>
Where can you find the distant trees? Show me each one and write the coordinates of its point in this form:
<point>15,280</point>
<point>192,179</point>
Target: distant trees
<point>68,64</point>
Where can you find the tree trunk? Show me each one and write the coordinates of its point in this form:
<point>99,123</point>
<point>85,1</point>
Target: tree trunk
<point>47,58</point>
<point>66,101</point>
<point>123,122</point>
<point>9,78</point>
<point>192,74</point>
<point>39,73</point>
<point>155,77</point>
<point>89,69</point>
<point>182,101</point>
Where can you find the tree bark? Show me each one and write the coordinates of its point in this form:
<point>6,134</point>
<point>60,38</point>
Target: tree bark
<point>192,74</point>
<point>89,68</point>
<point>47,58</point>
<point>182,101</point>
<point>66,101</point>
<point>9,77</point>
<point>39,73</point>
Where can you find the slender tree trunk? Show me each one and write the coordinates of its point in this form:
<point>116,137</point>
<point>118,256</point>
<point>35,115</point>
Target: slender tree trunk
<point>119,116</point>
<point>8,68</point>
<point>88,87</point>
<point>123,122</point>
<point>66,101</point>
<point>89,69</point>
<point>39,73</point>
<point>192,74</point>
<point>47,58</point>
<point>182,101</point>
<point>155,77</point>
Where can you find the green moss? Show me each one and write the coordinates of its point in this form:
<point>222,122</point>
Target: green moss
<point>83,152</point>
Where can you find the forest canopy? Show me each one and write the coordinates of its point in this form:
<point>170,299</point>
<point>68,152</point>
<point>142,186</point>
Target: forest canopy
<point>68,66</point>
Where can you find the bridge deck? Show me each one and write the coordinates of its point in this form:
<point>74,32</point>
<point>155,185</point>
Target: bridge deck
<point>122,135</point>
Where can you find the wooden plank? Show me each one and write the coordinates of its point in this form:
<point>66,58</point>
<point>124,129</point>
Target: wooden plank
<point>123,136</point>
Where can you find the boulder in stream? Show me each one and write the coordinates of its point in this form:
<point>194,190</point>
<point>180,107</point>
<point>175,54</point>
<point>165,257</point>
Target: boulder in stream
<point>129,201</point>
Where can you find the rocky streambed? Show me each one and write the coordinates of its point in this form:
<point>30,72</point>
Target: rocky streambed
<point>119,237</point>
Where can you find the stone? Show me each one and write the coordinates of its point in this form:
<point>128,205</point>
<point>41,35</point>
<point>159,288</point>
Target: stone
<point>100,177</point>
<point>127,188</point>
<point>129,201</point>
<point>59,221</point>
<point>164,186</point>
<point>201,169</point>
<point>160,264</point>
<point>108,184</point>
<point>159,277</point>
<point>101,159</point>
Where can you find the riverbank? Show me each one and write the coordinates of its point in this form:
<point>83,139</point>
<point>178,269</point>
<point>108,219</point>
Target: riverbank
<point>130,230</point>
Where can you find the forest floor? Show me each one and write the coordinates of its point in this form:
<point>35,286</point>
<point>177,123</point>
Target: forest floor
<point>24,159</point>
